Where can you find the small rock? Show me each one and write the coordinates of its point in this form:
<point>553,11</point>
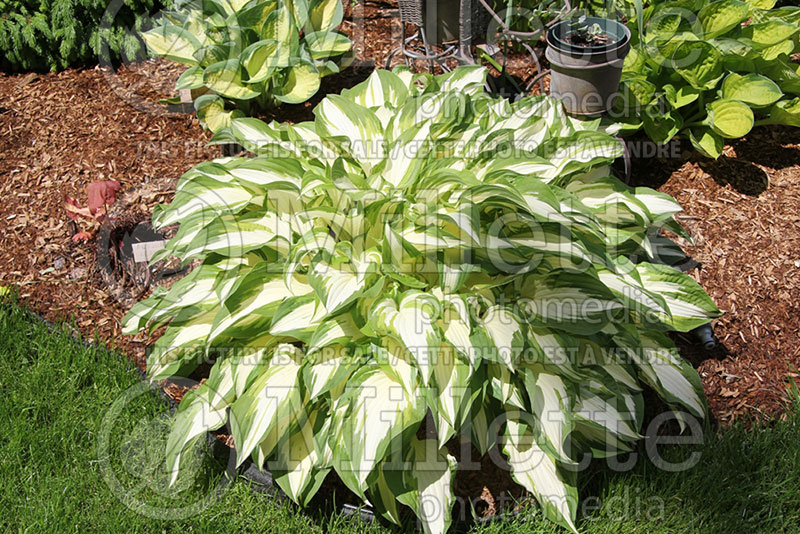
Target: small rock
<point>77,273</point>
<point>59,263</point>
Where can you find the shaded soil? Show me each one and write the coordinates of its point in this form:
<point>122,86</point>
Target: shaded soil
<point>59,132</point>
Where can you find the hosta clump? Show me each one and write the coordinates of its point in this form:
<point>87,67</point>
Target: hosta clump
<point>712,70</point>
<point>250,55</point>
<point>421,249</point>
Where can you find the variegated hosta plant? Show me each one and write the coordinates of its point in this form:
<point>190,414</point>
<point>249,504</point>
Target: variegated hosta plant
<point>422,252</point>
<point>248,55</point>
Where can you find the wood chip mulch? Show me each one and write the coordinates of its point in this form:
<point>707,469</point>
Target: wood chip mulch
<point>59,132</point>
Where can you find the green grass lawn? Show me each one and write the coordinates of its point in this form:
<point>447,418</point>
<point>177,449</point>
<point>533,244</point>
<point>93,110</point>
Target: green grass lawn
<point>56,394</point>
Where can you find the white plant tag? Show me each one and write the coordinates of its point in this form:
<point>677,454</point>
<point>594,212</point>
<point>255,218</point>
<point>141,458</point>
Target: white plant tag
<point>142,252</point>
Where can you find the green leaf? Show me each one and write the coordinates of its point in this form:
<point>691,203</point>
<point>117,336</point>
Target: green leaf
<point>766,34</point>
<point>324,45</point>
<point>752,89</point>
<point>211,112</point>
<point>225,78</point>
<point>661,128</point>
<point>706,141</point>
<point>786,112</point>
<point>721,16</point>
<point>689,306</point>
<point>262,58</point>
<point>682,96</point>
<point>325,15</point>
<point>301,83</point>
<point>430,482</point>
<point>172,42</point>
<point>699,63</point>
<point>374,411</point>
<point>192,78</point>
<point>730,118</point>
<point>201,410</point>
<point>538,473</point>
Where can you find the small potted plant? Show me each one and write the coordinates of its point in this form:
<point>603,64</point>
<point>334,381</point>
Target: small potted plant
<point>586,56</point>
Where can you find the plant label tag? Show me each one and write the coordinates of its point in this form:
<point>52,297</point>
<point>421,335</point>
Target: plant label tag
<point>142,252</point>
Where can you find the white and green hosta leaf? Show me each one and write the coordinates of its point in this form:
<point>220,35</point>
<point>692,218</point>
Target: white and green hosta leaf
<point>689,306</point>
<point>376,410</point>
<point>201,410</point>
<point>421,258</point>
<point>670,375</point>
<point>429,485</point>
<point>298,467</point>
<point>248,54</point>
<point>262,414</point>
<point>538,472</point>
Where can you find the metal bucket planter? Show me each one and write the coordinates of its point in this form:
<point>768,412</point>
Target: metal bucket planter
<point>586,78</point>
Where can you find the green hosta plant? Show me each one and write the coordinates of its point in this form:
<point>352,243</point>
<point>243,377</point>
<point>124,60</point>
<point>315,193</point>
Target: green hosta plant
<point>712,70</point>
<point>247,55</point>
<point>421,251</point>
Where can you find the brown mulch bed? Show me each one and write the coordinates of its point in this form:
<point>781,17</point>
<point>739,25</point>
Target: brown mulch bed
<point>743,212</point>
<point>59,132</point>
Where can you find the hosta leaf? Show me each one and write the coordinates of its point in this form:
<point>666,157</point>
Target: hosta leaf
<point>671,376</point>
<point>786,112</point>
<point>430,483</point>
<point>296,465</point>
<point>298,317</point>
<point>378,410</point>
<point>752,89</point>
<point>599,411</point>
<point>699,63</point>
<point>329,368</point>
<point>661,127</point>
<point>504,330</point>
<point>688,304</point>
<point>538,473</point>
<point>301,83</point>
<point>730,118</point>
<point>262,58</point>
<point>201,410</point>
<point>225,78</point>
<point>339,117</point>
<point>173,42</point>
<point>324,15</point>
<point>264,412</point>
<point>182,346</point>
<point>413,323</point>
<point>707,142</point>
<point>323,45</point>
<point>552,404</point>
<point>251,306</point>
<point>682,96</point>
<point>192,78</point>
<point>720,16</point>
<point>211,112</point>
<point>195,289</point>
<point>451,375</point>
<point>766,34</point>
<point>381,87</point>
<point>577,303</point>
